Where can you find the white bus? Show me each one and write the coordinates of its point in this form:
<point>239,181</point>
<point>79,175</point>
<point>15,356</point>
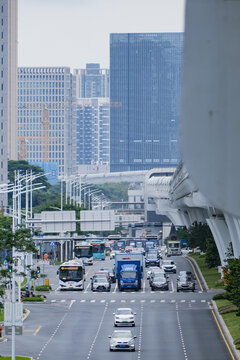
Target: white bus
<point>72,275</point>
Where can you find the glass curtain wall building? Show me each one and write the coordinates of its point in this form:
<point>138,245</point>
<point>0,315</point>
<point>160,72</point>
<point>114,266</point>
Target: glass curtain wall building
<point>92,82</point>
<point>47,117</point>
<point>145,77</point>
<point>93,131</point>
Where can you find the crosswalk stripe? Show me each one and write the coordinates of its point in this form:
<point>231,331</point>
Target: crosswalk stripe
<point>112,301</point>
<point>53,301</point>
<point>173,301</point>
<point>183,301</point>
<point>203,301</point>
<point>82,301</point>
<point>152,301</point>
<point>92,301</point>
<point>102,301</point>
<point>123,301</point>
<point>132,301</point>
<point>193,301</point>
<point>62,301</point>
<point>162,301</point>
<point>143,301</point>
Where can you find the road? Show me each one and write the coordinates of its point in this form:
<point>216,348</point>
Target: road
<point>76,325</point>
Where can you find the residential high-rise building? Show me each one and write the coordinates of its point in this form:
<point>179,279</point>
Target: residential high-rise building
<point>93,131</point>
<point>47,117</point>
<point>92,82</point>
<point>145,79</point>
<point>8,88</point>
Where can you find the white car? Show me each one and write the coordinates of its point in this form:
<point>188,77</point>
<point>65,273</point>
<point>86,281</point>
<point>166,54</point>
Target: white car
<point>169,266</point>
<point>153,269</point>
<point>122,340</point>
<point>124,317</point>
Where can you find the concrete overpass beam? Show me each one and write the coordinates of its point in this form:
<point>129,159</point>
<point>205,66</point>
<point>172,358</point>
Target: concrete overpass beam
<point>233,224</point>
<point>221,236</point>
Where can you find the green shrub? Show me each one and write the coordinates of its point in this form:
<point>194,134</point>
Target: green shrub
<point>237,342</point>
<point>43,288</point>
<point>33,298</point>
<point>221,296</point>
<point>227,309</point>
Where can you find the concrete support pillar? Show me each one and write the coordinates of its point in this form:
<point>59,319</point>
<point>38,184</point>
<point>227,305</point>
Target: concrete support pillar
<point>233,224</point>
<point>61,251</point>
<point>221,236</point>
<point>66,252</point>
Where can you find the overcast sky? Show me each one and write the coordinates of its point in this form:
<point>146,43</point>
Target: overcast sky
<point>75,32</point>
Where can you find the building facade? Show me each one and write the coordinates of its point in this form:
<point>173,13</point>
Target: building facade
<point>93,131</point>
<point>47,117</point>
<point>92,82</point>
<point>145,74</point>
<point>8,89</point>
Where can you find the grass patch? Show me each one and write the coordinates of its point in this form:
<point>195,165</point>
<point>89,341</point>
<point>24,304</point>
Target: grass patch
<point>57,263</point>
<point>1,315</point>
<point>211,276</point>
<point>232,321</point>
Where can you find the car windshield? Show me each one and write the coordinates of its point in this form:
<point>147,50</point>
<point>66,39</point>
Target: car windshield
<point>123,312</point>
<point>159,277</point>
<point>122,334</point>
<point>185,278</point>
<point>100,280</point>
<point>168,262</point>
<point>152,256</point>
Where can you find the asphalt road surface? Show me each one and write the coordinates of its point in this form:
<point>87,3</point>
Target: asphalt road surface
<point>75,325</point>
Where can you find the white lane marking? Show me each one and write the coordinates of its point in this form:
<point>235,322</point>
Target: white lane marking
<point>193,301</point>
<point>71,304</point>
<point>140,333</point>
<point>112,301</point>
<point>82,301</point>
<point>144,287</point>
<point>92,301</point>
<point>143,301</point>
<point>98,330</point>
<point>152,301</point>
<point>132,301</point>
<point>183,301</point>
<point>173,301</point>
<point>53,301</point>
<point>86,289</point>
<point>200,292</point>
<point>162,301</point>
<point>203,301</point>
<point>102,301</point>
<point>172,291</point>
<point>181,335</point>
<point>115,289</point>
<point>62,301</point>
<point>123,301</point>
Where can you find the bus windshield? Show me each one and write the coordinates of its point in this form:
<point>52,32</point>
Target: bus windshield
<point>83,251</point>
<point>98,248</point>
<point>70,273</point>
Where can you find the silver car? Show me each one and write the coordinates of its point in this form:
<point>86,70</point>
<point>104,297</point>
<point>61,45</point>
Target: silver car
<point>124,317</point>
<point>122,340</point>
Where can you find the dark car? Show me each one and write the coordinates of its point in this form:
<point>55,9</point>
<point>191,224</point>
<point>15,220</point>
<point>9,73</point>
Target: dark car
<point>186,281</point>
<point>110,271</point>
<point>159,282</point>
<point>152,260</point>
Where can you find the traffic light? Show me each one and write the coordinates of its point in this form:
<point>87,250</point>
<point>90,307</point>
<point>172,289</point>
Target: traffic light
<point>38,269</point>
<point>10,268</point>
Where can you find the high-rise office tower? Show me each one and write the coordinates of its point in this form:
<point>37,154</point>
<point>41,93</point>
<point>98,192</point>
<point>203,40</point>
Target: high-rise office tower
<point>93,131</point>
<point>8,88</point>
<point>92,82</point>
<point>47,117</point>
<point>145,77</point>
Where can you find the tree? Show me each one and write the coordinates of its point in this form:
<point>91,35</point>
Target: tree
<point>212,256</point>
<point>233,282</point>
<point>21,240</point>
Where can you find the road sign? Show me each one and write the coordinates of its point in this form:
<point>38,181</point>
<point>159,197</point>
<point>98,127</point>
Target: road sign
<point>8,315</point>
<point>52,243</point>
<point>18,330</point>
<point>97,220</point>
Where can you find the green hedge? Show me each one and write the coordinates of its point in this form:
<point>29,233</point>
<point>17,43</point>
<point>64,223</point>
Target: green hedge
<point>39,288</point>
<point>34,298</point>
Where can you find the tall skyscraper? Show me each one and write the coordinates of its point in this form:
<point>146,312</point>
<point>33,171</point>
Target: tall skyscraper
<point>92,82</point>
<point>93,131</point>
<point>145,77</point>
<point>8,88</point>
<point>47,117</point>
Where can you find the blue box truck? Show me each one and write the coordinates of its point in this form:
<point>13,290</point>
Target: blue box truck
<point>129,271</point>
